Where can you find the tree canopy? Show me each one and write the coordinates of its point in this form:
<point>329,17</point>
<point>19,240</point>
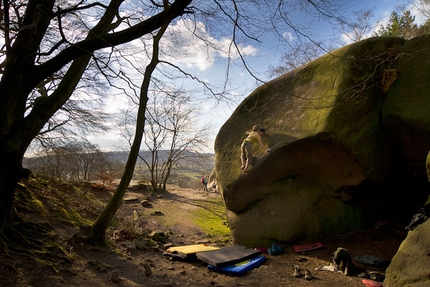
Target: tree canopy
<point>399,26</point>
<point>403,26</point>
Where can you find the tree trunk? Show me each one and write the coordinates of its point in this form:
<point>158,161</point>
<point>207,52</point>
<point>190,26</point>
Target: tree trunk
<point>99,228</point>
<point>166,176</point>
<point>10,167</point>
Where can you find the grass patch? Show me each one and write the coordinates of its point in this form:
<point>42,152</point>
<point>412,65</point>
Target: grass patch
<point>211,218</point>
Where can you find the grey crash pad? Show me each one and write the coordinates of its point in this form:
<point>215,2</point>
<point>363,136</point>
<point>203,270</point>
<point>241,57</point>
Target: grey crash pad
<point>227,255</point>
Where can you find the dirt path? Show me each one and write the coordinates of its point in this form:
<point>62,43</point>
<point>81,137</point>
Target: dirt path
<point>177,206</point>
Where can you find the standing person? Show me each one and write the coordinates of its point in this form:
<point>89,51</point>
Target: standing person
<point>254,136</point>
<point>204,180</point>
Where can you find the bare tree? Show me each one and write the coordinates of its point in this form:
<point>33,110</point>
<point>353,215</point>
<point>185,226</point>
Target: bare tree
<point>292,59</point>
<point>85,160</point>
<point>77,160</point>
<point>171,135</point>
<point>301,43</point>
<point>82,114</point>
<point>361,25</point>
<point>48,162</point>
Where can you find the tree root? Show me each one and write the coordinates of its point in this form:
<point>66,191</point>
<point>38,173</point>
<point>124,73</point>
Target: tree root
<point>34,240</point>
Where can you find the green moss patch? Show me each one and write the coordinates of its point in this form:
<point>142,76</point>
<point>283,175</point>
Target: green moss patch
<point>211,218</point>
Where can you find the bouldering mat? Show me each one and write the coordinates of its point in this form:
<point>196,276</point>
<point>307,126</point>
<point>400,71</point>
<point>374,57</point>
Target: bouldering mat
<point>307,247</point>
<point>242,267</point>
<point>227,255</point>
<point>191,249</point>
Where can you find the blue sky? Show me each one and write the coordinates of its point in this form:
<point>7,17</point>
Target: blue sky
<point>210,66</point>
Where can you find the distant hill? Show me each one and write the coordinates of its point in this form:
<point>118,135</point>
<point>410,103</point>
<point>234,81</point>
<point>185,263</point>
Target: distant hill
<point>189,160</point>
<point>83,167</point>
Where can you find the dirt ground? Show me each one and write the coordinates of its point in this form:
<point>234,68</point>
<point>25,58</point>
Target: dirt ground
<point>116,266</point>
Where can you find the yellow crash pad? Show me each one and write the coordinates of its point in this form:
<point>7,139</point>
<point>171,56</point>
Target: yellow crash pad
<point>191,249</point>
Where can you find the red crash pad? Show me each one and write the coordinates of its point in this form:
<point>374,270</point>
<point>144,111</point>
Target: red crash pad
<point>307,247</point>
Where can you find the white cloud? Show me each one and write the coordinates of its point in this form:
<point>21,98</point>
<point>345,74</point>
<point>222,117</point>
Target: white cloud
<point>247,50</point>
<point>189,43</point>
<point>228,49</point>
<point>347,38</point>
<point>288,36</point>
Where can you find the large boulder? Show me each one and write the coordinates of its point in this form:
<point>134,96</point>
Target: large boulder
<point>350,133</point>
<point>411,264</point>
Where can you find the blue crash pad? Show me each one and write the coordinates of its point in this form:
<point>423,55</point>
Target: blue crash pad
<point>241,267</point>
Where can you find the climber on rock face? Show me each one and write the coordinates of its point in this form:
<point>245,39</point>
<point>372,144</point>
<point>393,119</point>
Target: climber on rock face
<point>254,136</point>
